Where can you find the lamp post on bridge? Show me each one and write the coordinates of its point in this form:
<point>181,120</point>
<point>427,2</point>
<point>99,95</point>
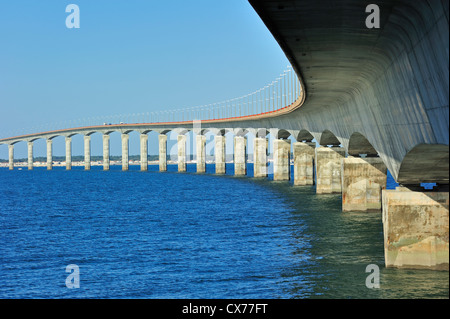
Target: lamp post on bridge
<point>280,92</point>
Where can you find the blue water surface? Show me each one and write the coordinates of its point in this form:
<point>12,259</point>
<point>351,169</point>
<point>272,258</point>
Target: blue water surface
<point>186,235</point>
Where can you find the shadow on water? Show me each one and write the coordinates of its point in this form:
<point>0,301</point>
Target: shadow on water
<point>341,246</point>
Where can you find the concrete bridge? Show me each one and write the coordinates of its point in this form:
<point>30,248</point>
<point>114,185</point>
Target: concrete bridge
<point>373,100</point>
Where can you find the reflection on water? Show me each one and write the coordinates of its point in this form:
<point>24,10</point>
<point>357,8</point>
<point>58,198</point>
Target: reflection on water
<point>341,245</point>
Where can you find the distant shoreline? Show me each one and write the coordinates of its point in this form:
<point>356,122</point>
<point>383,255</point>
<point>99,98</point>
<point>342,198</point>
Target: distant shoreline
<point>96,163</point>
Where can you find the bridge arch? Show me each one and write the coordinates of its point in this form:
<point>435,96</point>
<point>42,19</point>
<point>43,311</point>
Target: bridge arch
<point>37,138</point>
<point>109,132</point>
<point>358,144</point>
<point>52,137</point>
<point>147,131</point>
<point>328,138</point>
<point>214,131</point>
<point>178,131</point>
<point>284,134</point>
<point>15,142</point>
<point>225,131</point>
<point>304,136</point>
<point>217,131</point>
<point>128,131</point>
<point>261,132</point>
<point>243,132</point>
<point>91,133</point>
<point>425,163</point>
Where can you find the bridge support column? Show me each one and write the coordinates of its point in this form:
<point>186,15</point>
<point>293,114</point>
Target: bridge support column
<point>304,163</point>
<point>11,156</point>
<point>144,152</point>
<point>260,157</point>
<point>125,146</point>
<point>362,182</point>
<point>162,139</point>
<point>201,153</point>
<point>49,154</point>
<point>68,153</point>
<point>415,226</point>
<point>240,155</point>
<point>106,160</point>
<point>281,159</point>
<point>181,143</point>
<point>328,169</point>
<point>219,150</point>
<point>87,152</point>
<point>30,156</point>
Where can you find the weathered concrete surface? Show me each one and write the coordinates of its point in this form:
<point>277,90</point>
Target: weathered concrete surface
<point>219,154</point>
<point>143,138</point>
<point>87,152</point>
<point>201,153</point>
<point>415,226</point>
<point>281,160</point>
<point>181,143</point>
<point>328,169</point>
<point>162,139</point>
<point>68,142</point>
<point>304,154</point>
<point>415,166</point>
<point>125,146</point>
<point>11,157</point>
<point>260,157</point>
<point>30,155</point>
<point>49,154</point>
<point>362,182</point>
<point>106,152</point>
<point>240,155</point>
<point>390,84</point>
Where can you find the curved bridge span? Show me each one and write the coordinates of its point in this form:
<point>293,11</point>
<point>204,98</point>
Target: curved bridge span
<point>372,99</point>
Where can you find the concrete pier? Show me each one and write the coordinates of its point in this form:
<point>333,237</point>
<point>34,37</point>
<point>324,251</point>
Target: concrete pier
<point>49,154</point>
<point>415,226</point>
<point>328,169</point>
<point>87,153</point>
<point>281,160</point>
<point>181,144</point>
<point>240,155</point>
<point>106,152</point>
<point>125,147</point>
<point>304,153</point>
<point>219,154</point>
<point>201,153</point>
<point>260,157</point>
<point>144,152</point>
<point>162,139</point>
<point>68,153</point>
<point>11,156</point>
<point>30,155</point>
<point>362,182</point>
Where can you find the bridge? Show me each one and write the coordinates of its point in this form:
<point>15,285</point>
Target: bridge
<point>357,101</point>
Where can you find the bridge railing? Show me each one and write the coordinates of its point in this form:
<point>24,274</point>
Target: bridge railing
<point>281,93</point>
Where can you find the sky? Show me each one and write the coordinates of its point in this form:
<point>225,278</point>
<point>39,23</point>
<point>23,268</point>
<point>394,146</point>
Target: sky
<point>127,57</point>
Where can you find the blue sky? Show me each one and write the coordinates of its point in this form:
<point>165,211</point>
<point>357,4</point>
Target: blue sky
<point>127,57</point>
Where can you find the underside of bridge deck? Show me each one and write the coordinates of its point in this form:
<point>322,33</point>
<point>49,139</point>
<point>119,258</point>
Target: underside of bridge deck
<point>389,84</point>
<point>378,95</point>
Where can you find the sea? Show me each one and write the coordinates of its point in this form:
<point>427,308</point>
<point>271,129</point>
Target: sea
<point>151,235</point>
